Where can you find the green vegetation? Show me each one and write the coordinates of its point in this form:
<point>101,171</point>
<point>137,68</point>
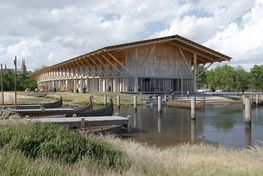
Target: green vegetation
<point>39,141</point>
<point>23,81</point>
<point>229,78</point>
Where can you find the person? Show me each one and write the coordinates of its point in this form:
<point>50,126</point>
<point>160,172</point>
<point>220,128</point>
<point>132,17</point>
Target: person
<point>109,89</point>
<point>36,90</point>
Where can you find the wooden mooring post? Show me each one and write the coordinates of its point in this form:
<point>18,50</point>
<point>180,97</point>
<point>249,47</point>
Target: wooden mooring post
<point>159,104</point>
<point>257,99</point>
<point>129,126</point>
<point>135,102</point>
<point>82,122</point>
<point>244,99</point>
<point>247,111</point>
<point>251,99</point>
<point>193,107</point>
<point>193,131</point>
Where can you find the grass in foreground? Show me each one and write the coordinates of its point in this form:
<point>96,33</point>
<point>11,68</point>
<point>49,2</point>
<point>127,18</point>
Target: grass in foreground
<point>25,145</point>
<point>38,149</point>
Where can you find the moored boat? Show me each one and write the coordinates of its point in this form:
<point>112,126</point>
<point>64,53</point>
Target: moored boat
<point>105,111</point>
<point>83,111</point>
<point>199,105</point>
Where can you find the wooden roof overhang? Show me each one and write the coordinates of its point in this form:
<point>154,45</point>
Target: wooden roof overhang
<point>204,54</point>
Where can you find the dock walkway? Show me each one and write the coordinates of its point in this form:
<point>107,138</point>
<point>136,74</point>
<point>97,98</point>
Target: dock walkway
<point>75,122</point>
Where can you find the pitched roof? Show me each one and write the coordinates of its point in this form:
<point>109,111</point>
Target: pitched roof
<point>176,40</point>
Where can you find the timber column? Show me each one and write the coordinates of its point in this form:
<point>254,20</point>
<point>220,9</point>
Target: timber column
<point>195,71</point>
<point>135,84</point>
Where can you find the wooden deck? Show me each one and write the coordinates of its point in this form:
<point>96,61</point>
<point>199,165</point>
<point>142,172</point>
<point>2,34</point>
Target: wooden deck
<point>75,122</point>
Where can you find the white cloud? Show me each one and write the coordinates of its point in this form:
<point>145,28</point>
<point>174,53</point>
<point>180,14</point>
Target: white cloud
<point>46,32</point>
<point>244,41</point>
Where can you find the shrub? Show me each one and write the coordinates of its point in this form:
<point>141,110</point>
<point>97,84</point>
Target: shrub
<point>58,143</point>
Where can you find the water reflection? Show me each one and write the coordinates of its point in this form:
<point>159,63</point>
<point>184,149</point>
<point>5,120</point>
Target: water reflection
<point>135,120</point>
<point>159,123</point>
<point>216,125</point>
<point>192,131</point>
<point>248,137</point>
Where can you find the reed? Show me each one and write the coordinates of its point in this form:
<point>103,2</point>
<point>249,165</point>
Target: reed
<point>37,149</point>
<point>59,144</point>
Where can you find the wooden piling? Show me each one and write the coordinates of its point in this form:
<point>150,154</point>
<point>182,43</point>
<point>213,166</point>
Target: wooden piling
<point>159,128</point>
<point>192,131</point>
<point>244,99</point>
<point>159,104</point>
<point>129,124</point>
<point>135,102</point>
<point>257,100</point>
<point>118,101</point>
<point>193,107</point>
<point>82,122</point>
<point>247,110</point>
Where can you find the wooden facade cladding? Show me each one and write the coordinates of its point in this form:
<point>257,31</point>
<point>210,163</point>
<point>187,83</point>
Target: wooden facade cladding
<point>158,61</point>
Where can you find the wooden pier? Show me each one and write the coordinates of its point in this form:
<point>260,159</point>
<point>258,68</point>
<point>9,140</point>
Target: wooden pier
<point>77,122</point>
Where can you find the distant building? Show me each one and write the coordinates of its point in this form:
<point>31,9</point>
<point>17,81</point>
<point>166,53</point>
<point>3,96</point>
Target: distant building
<point>21,70</point>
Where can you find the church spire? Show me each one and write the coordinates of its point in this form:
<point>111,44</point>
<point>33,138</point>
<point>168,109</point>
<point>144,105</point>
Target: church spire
<point>23,66</point>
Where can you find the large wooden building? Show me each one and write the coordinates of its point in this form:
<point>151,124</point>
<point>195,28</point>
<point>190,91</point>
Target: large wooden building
<point>155,65</point>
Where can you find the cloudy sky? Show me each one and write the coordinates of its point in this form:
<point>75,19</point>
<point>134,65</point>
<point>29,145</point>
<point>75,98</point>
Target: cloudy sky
<point>46,32</point>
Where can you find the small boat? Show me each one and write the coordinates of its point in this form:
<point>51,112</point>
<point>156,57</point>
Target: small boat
<point>54,111</point>
<point>34,94</point>
<point>98,130</point>
<point>199,105</point>
<point>55,104</point>
<point>83,111</point>
<point>105,111</point>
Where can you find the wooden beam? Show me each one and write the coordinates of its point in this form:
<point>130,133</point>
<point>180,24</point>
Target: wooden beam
<point>205,68</point>
<point>87,71</point>
<point>120,63</point>
<point>90,65</point>
<point>189,67</point>
<point>149,54</point>
<point>110,63</point>
<point>191,51</point>
<point>199,48</point>
<point>102,64</point>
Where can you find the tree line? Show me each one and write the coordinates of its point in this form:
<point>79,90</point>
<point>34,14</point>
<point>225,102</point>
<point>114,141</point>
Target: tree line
<point>23,81</point>
<point>227,78</point>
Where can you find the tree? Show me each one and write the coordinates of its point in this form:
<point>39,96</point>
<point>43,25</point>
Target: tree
<point>23,81</point>
<point>212,80</point>
<point>241,79</point>
<point>226,77</point>
<point>202,79</point>
<point>256,77</point>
